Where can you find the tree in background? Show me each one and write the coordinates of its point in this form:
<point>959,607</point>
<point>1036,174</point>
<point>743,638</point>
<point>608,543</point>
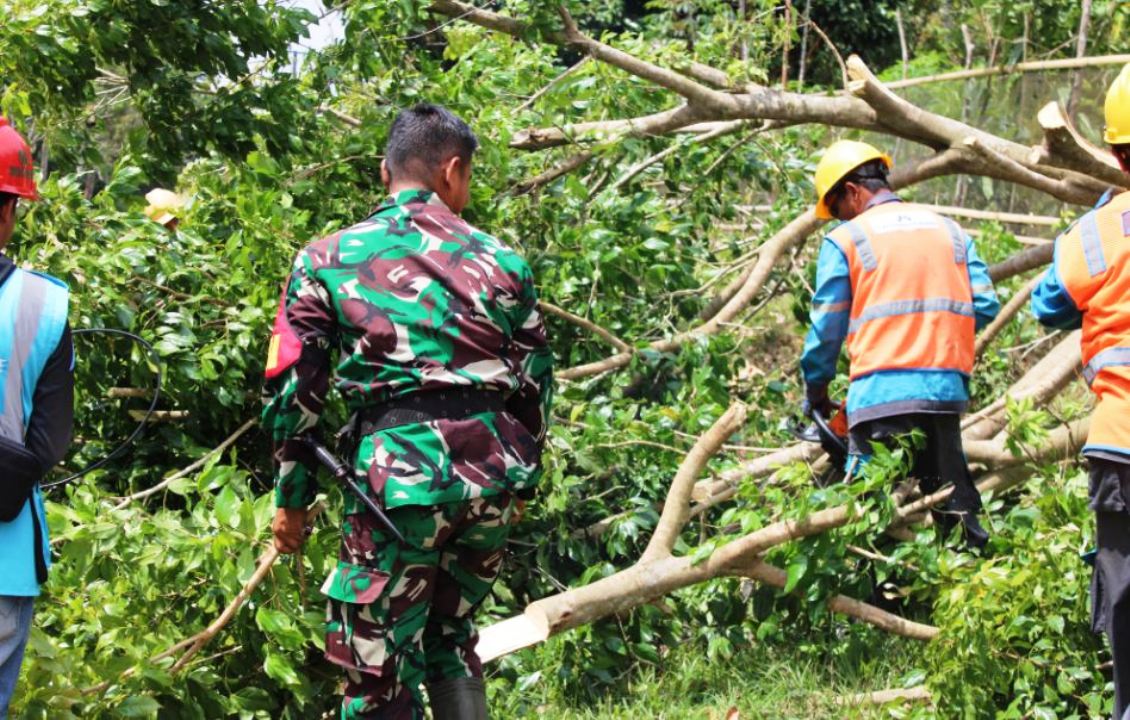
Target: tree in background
<point>674,257</point>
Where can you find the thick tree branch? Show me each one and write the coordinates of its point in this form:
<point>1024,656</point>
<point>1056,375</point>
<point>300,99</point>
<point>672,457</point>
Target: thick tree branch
<point>875,108</point>
<point>647,580</point>
<point>707,74</point>
<point>1022,262</point>
<point>996,164</point>
<point>1065,147</point>
<point>694,92</point>
<point>899,115</point>
<point>727,481</point>
<point>1062,442</point>
<point>939,132</point>
<point>483,18</point>
<point>676,509</point>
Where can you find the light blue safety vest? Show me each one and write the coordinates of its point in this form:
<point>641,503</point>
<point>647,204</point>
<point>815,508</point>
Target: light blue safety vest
<point>33,314</point>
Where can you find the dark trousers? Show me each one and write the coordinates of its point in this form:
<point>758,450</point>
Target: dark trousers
<point>939,461</point>
<point>1110,584</point>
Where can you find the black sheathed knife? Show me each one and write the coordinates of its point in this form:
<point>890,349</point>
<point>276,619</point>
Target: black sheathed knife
<point>344,473</point>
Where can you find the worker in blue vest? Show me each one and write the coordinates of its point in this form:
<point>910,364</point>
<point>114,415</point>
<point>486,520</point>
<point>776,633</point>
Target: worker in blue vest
<point>36,412</point>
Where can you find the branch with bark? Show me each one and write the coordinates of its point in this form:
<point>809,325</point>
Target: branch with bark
<point>869,105</point>
<point>1063,168</point>
<point>589,325</point>
<point>199,463</point>
<point>658,572</point>
<point>677,509</point>
<point>1010,310</point>
<point>788,237</point>
<point>704,101</point>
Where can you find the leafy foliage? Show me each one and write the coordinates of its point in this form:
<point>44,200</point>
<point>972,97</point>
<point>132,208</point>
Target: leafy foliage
<point>204,95</point>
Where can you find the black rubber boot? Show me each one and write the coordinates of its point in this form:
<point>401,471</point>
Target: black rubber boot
<point>458,699</point>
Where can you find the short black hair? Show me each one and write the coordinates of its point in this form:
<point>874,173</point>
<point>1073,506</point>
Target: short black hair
<point>424,136</point>
<point>1122,152</point>
<point>871,175</point>
<point>6,198</point>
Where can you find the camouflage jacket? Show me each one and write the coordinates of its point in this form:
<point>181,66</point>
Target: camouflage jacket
<point>411,299</point>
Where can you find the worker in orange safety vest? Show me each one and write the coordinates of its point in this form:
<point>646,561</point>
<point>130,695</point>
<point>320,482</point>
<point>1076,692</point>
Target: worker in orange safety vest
<point>906,290</point>
<point>1088,286</point>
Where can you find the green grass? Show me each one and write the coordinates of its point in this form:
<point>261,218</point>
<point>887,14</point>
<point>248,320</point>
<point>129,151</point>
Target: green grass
<point>768,680</point>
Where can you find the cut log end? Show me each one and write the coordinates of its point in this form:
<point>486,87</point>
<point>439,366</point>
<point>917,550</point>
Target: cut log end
<point>512,635</point>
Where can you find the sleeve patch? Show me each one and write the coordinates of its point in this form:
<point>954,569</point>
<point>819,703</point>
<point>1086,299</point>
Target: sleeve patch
<point>285,347</point>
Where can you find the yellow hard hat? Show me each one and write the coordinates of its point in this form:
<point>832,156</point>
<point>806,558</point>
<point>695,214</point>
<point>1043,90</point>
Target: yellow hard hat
<point>163,205</point>
<point>838,161</point>
<point>1118,109</point>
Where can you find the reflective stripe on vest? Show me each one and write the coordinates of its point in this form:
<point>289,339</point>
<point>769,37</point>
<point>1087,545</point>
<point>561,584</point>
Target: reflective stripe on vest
<point>1092,244</point>
<point>957,237</point>
<point>1111,357</point>
<point>1093,261</point>
<point>21,301</point>
<point>912,304</point>
<point>905,307</point>
<point>862,245</point>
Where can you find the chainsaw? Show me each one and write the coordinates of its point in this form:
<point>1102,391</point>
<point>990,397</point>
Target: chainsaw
<point>832,435</point>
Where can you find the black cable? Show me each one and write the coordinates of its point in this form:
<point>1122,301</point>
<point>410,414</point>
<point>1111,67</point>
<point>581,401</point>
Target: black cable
<point>158,379</point>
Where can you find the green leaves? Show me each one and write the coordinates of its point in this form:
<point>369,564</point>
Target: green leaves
<point>278,667</point>
<point>796,571</point>
<point>205,97</point>
<point>1016,626</point>
<point>138,706</point>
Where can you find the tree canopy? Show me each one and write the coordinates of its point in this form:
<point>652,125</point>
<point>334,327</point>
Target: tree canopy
<point>653,161</point>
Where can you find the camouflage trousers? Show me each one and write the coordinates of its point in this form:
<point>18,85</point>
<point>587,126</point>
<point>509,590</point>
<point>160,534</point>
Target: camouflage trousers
<point>401,615</point>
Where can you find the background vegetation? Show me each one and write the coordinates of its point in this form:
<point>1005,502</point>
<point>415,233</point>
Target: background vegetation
<point>119,96</point>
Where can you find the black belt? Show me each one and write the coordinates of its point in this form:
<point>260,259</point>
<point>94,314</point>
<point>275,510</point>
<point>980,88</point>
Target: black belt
<point>427,406</point>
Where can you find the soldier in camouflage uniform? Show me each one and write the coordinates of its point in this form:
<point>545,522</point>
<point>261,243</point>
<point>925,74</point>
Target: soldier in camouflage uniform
<point>442,358</point>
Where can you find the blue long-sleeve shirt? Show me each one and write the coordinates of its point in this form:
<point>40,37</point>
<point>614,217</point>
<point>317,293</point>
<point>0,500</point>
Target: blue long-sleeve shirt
<point>886,392</point>
<point>1051,303</point>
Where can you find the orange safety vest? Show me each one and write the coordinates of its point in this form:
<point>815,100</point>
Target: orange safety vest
<point>1093,259</point>
<point>912,302</point>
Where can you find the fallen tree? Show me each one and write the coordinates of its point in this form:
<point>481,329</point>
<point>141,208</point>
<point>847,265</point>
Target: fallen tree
<point>1065,166</point>
<point>659,572</point>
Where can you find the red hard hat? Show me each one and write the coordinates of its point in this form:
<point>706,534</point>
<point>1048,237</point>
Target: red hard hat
<point>17,174</point>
